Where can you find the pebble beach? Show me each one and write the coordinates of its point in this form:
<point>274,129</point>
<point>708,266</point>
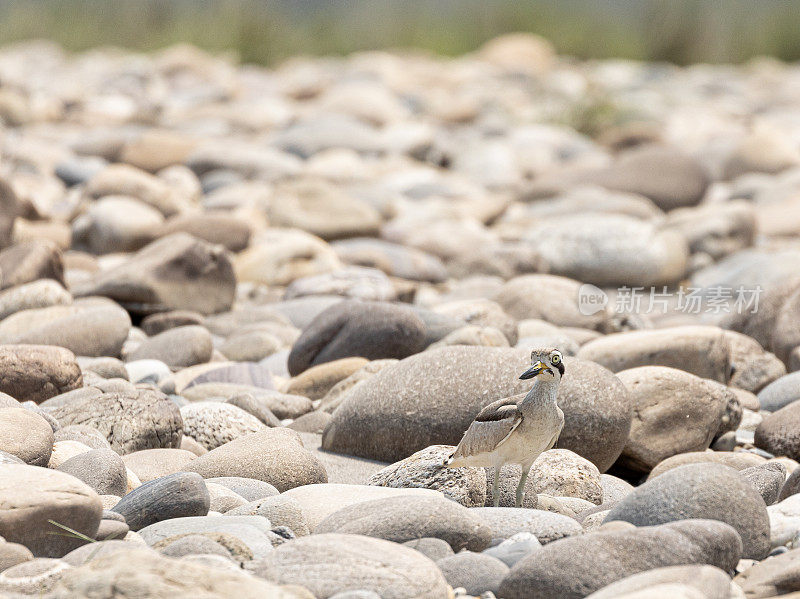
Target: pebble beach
<point>247,313</point>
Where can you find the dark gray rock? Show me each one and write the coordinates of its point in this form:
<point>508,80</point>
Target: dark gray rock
<point>102,469</point>
<point>575,567</point>
<point>177,495</point>
<point>706,491</point>
<point>372,330</point>
<point>474,572</point>
<point>401,519</point>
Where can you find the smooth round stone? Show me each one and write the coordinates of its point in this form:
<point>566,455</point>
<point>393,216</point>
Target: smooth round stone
<point>130,420</point>
<point>481,312</point>
<point>46,495</point>
<point>111,529</point>
<point>116,224</point>
<point>579,565</point>
<point>514,548</point>
<point>768,479</point>
<point>597,412</point>
<point>178,495</point>
<point>26,435</point>
<point>767,578</point>
<point>216,227</point>
<point>313,422</point>
<point>272,455</point>
<point>700,491</point>
<point>194,545</point>
<point>250,347</point>
<point>249,488</point>
<point>35,577</point>
<point>31,260</point>
<point>371,330</point>
<point>327,564</point>
<point>737,460</point>
<point>157,323</point>
<point>105,367</point>
<point>279,510</point>
<point>86,435</point>
<point>703,581</point>
<point>700,350</point>
<point>665,401</point>
<point>560,472</point>
<point>37,372</point>
<point>779,433</point>
<point>505,522</point>
<point>474,572</point>
<point>223,499</point>
<point>251,405</point>
<point>614,488</point>
<point>401,519</point>
<point>784,521</point>
<point>213,424</point>
<point>753,367</point>
<point>393,259</point>
<point>79,169</point>
<point>177,348</point>
<point>12,554</point>
<point>431,547</point>
<point>149,464</point>
<point>37,294</point>
<point>423,469</point>
<point>780,393</point>
<point>315,382</point>
<point>282,405</point>
<point>147,371</point>
<point>102,469</point>
<point>245,374</point>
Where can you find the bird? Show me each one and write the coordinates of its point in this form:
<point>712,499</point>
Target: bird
<point>512,431</point>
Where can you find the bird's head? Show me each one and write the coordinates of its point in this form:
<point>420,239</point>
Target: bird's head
<point>545,364</point>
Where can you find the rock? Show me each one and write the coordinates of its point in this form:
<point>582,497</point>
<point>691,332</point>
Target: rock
<point>130,420</point>
<point>250,347</point>
<point>214,227</point>
<point>10,208</point>
<point>453,384</point>
<point>157,323</point>
<point>142,571</point>
<point>178,495</point>
<point>313,422</point>
<point>702,351</point>
<point>614,489</point>
<point>393,259</point>
<point>126,180</point>
<point>550,298</point>
<point>708,581</point>
<point>780,392</point>
<point>791,486</point>
<point>704,491</point>
<point>514,548</point>
<point>249,488</point>
<point>317,381</point>
<point>247,537</point>
<point>577,566</point>
<point>251,405</point>
<point>177,272</point>
<point>318,501</point>
<point>327,564</point>
<point>273,455</point>
<point>110,529</point>
<point>37,294</point>
<point>280,510</point>
<point>279,256</point>
<point>213,424</point>
<point>474,572</point>
<point>45,495</point>
<point>768,479</point>
<point>666,400</point>
<point>26,435</point>
<point>102,469</point>
<point>12,554</point>
<point>34,577</point>
<point>505,522</point>
<point>432,548</point>
<point>784,521</point>
<point>610,249</point>
<point>36,373</point>
<point>771,577</point>
<point>481,312</point>
<point>402,519</point>
<point>86,435</point>
<point>223,499</point>
<point>178,347</point>
<point>371,330</point>
<point>29,261</point>
<point>85,330</point>
<point>753,367</point>
<point>597,412</point>
<point>560,472</point>
<point>336,395</point>
<point>474,335</point>
<point>282,405</point>
<point>715,230</point>
<point>243,375</point>
<point>321,209</point>
<point>108,368</point>
<point>423,469</point>
<point>194,545</point>
<point>738,460</point>
<point>116,224</point>
<point>149,464</point>
<point>778,433</point>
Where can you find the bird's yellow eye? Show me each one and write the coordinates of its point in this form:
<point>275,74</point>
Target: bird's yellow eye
<point>555,358</point>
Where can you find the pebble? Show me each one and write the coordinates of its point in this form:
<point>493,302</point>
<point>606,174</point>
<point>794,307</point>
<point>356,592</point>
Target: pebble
<point>178,495</point>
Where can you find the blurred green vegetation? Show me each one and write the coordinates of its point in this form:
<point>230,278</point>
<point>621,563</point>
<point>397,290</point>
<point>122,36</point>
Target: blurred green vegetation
<point>268,31</point>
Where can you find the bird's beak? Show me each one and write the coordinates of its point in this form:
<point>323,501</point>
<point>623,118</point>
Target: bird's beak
<point>533,370</point>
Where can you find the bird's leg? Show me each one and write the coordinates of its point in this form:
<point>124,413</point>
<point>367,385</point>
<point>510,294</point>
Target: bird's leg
<point>495,486</point>
<point>521,487</point>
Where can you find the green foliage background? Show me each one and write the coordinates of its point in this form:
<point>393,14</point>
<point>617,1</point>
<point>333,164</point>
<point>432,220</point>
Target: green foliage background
<point>268,31</point>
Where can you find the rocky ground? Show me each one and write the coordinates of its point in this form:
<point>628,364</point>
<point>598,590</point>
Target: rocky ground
<point>246,313</point>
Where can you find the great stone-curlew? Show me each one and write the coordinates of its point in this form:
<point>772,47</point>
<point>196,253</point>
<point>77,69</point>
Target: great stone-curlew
<point>511,432</point>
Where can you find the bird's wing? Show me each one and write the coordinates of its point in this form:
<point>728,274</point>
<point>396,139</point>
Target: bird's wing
<point>490,429</point>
